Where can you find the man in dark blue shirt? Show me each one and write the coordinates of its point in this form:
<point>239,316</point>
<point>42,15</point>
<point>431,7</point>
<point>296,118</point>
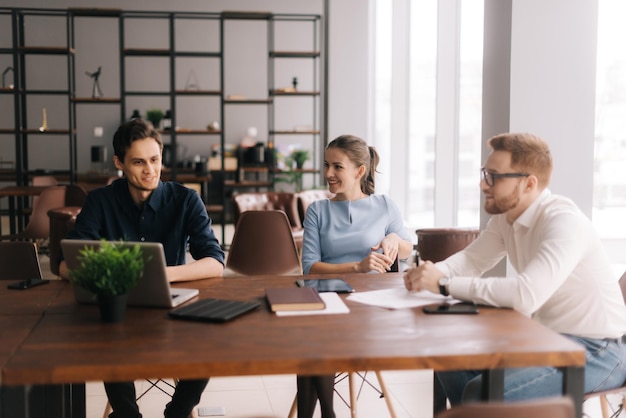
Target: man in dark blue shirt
<point>139,207</point>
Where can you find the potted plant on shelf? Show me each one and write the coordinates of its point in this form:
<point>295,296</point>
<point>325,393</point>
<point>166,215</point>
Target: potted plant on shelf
<point>109,272</point>
<point>299,156</point>
<point>155,116</point>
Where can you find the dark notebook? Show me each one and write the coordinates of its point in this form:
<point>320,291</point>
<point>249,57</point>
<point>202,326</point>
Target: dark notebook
<point>294,299</point>
<point>213,310</point>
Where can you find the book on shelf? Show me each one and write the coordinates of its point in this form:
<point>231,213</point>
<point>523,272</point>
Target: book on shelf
<point>293,299</point>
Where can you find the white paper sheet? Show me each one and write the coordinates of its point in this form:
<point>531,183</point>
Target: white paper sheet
<point>334,305</point>
<point>398,298</point>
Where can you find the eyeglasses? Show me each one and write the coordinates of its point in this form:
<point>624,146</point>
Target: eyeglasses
<point>490,178</point>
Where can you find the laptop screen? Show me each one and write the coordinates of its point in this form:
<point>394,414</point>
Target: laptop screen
<point>152,289</point>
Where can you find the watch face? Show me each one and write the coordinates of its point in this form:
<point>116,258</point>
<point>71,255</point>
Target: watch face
<point>444,281</point>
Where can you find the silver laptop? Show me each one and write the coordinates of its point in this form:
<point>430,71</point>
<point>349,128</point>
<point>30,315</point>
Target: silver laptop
<point>152,289</point>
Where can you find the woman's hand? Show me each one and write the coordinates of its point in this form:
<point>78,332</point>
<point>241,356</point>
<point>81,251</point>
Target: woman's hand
<point>389,245</point>
<point>381,263</point>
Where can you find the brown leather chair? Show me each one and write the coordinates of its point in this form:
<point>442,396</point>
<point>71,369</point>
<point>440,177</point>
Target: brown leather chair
<point>38,228</point>
<point>554,407</point>
<point>436,244</point>
<point>61,220</point>
<point>284,201</point>
<point>263,244</point>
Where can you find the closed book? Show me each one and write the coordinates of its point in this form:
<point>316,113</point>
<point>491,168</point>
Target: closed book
<point>293,299</point>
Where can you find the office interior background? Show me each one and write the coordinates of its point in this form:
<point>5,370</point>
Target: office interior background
<point>427,82</point>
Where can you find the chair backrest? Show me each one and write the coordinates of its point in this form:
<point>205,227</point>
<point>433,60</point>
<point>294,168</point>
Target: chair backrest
<point>554,407</point>
<point>42,181</point>
<point>436,244</point>
<point>285,201</point>
<point>39,224</point>
<point>263,244</point>
<point>75,195</point>
<point>306,197</point>
<point>19,260</point>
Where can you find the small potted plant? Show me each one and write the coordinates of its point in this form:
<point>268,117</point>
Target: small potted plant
<point>299,156</point>
<point>109,272</point>
<point>155,116</point>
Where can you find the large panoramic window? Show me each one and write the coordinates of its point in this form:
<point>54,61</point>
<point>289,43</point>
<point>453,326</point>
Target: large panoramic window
<point>427,88</point>
<point>609,199</point>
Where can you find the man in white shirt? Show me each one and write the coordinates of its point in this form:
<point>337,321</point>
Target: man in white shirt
<point>562,278</point>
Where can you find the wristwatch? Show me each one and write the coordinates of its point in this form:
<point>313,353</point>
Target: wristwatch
<point>444,284</point>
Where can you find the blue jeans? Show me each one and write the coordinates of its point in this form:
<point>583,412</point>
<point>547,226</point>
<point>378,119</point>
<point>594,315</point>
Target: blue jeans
<point>605,368</point>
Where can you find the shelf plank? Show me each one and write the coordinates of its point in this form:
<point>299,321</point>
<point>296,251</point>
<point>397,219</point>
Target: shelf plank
<point>293,132</point>
<point>147,52</point>
<point>294,93</point>
<point>94,11</point>
<point>246,15</point>
<point>148,93</point>
<point>46,92</point>
<point>96,100</point>
<point>198,92</point>
<point>46,132</point>
<point>198,54</point>
<point>247,101</point>
<point>186,131</point>
<point>294,54</point>
<point>53,50</point>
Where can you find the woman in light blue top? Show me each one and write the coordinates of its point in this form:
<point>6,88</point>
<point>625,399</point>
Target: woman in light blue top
<point>354,232</point>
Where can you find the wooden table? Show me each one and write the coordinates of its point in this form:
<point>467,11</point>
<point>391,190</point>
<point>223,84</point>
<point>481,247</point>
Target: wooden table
<point>20,312</point>
<point>18,192</point>
<point>70,345</point>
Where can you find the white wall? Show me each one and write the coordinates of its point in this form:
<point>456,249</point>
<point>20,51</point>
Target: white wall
<point>553,56</point>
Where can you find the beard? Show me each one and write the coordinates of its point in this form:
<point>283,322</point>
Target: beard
<point>500,205</point>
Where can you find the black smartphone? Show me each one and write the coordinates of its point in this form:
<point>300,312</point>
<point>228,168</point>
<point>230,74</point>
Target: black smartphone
<point>454,308</point>
<point>326,285</point>
<point>27,284</point>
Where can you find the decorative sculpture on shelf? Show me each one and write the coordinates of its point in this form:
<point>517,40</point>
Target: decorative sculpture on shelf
<point>96,92</point>
<point>44,122</point>
<point>294,83</point>
<point>192,81</point>
<point>4,73</point>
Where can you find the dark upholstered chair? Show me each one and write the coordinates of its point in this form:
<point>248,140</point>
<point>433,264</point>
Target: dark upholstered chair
<point>263,244</point>
<point>557,407</point>
<point>436,244</point>
<point>61,220</point>
<point>284,201</point>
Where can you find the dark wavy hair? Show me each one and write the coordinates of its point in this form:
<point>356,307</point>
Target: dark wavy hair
<point>130,132</point>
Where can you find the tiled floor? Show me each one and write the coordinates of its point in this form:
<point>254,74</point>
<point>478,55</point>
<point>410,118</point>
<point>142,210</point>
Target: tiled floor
<point>272,395</point>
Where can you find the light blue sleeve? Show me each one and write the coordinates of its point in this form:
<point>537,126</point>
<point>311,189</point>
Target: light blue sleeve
<point>396,223</point>
<point>311,247</point>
